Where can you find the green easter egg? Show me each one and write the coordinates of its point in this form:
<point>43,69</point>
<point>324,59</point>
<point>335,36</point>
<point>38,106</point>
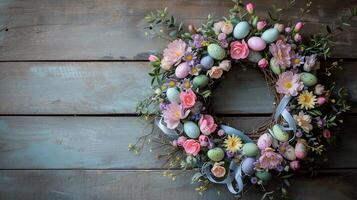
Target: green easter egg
<point>200,81</point>
<point>270,35</point>
<point>308,79</point>
<point>254,56</point>
<point>216,154</point>
<point>173,95</point>
<point>263,175</point>
<point>274,66</point>
<point>250,149</point>
<point>241,30</point>
<point>216,51</point>
<point>279,134</point>
<point>191,129</point>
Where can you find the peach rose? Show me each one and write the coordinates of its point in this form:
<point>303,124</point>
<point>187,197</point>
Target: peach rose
<point>227,28</point>
<point>207,125</point>
<point>239,50</point>
<point>215,72</point>
<point>225,65</point>
<point>188,98</point>
<point>191,147</point>
<point>217,170</point>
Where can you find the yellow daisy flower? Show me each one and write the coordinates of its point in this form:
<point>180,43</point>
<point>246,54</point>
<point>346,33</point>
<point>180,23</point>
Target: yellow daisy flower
<point>233,143</point>
<point>307,100</point>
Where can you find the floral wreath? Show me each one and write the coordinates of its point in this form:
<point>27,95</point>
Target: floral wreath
<point>183,78</point>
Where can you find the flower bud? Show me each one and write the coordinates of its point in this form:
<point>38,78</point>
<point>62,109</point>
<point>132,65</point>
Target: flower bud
<point>250,8</point>
<point>298,26</point>
<point>263,63</point>
<point>261,25</point>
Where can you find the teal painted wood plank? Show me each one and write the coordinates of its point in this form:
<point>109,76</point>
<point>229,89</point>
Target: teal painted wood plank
<point>101,143</point>
<point>133,185</point>
<point>115,88</point>
<point>112,29</point>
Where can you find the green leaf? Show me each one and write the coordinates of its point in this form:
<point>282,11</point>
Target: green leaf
<point>196,177</point>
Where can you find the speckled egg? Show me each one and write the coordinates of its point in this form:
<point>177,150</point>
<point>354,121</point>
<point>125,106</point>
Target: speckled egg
<point>215,154</point>
<point>289,152</point>
<point>308,79</point>
<point>191,129</point>
<point>250,149</point>
<point>173,95</point>
<point>182,70</point>
<point>274,66</point>
<point>279,134</point>
<point>200,81</point>
<point>207,62</point>
<point>270,35</point>
<point>265,141</point>
<point>301,149</point>
<point>241,30</point>
<point>254,56</point>
<point>248,165</point>
<point>216,51</point>
<point>263,175</point>
<point>256,43</point>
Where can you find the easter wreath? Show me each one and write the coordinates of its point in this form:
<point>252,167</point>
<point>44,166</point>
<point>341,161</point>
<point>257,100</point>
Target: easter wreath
<point>307,110</point>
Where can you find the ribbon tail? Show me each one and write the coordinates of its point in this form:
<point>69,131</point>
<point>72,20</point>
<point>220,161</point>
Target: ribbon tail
<point>171,133</point>
<point>232,131</point>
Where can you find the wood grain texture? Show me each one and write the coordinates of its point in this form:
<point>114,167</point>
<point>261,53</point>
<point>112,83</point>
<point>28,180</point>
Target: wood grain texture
<point>112,29</point>
<point>101,143</point>
<point>133,185</point>
<point>115,88</point>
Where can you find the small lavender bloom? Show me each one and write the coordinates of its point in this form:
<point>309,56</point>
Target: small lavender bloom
<point>196,117</point>
<point>229,154</point>
<point>224,43</point>
<point>254,180</point>
<point>280,168</point>
<point>222,36</point>
<point>197,40</point>
<point>321,122</point>
<point>210,144</point>
<point>163,106</point>
<point>297,60</point>
<point>298,133</point>
<point>190,56</point>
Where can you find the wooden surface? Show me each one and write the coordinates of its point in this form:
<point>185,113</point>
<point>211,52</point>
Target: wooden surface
<point>71,73</point>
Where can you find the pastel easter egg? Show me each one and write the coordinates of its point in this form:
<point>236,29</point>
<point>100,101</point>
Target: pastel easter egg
<point>308,79</point>
<point>182,70</point>
<point>191,129</point>
<point>289,152</point>
<point>265,141</point>
<point>241,30</point>
<point>270,35</point>
<point>250,149</point>
<point>301,149</point>
<point>263,175</point>
<point>216,51</point>
<point>215,154</point>
<point>274,66</point>
<point>248,165</point>
<point>254,56</point>
<point>279,134</point>
<point>173,95</point>
<point>200,81</point>
<point>256,43</point>
<point>207,62</point>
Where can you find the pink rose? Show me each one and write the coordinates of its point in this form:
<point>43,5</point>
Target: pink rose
<point>188,98</point>
<point>218,170</point>
<point>298,26</point>
<point>261,25</point>
<point>207,125</point>
<point>181,140</point>
<point>191,147</point>
<point>227,28</point>
<point>250,8</point>
<point>153,58</point>
<point>295,165</point>
<point>203,139</point>
<point>239,50</point>
<point>263,63</point>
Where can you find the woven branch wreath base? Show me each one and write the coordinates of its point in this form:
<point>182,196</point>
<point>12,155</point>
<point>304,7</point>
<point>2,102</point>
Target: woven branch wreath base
<point>306,115</point>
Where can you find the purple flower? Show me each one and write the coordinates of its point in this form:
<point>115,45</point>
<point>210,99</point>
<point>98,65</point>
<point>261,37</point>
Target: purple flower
<point>321,122</point>
<point>281,53</point>
<point>190,56</point>
<point>197,40</point>
<point>163,106</point>
<point>253,180</point>
<point>269,159</point>
<point>280,168</point>
<point>210,144</point>
<point>297,60</point>
<point>229,154</point>
<point>298,133</point>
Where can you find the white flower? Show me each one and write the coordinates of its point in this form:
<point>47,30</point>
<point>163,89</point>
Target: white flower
<point>304,121</point>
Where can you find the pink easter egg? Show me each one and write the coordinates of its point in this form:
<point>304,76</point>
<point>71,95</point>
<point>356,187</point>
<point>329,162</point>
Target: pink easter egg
<point>301,150</point>
<point>256,43</point>
<point>182,70</point>
<point>265,141</point>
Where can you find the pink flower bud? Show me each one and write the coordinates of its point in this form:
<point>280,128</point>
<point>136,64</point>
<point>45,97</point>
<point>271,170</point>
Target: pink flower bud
<point>298,26</point>
<point>321,100</point>
<point>263,63</point>
<point>250,8</point>
<point>288,29</point>
<point>295,165</point>
<point>326,133</point>
<point>181,140</point>
<point>203,139</point>
<point>152,58</point>
<point>261,25</point>
<point>221,132</point>
<point>297,37</point>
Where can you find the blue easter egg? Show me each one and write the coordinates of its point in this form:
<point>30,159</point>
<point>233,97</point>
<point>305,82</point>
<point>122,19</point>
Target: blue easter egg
<point>207,62</point>
<point>173,95</point>
<point>241,30</point>
<point>270,35</point>
<point>191,129</point>
<point>248,165</point>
